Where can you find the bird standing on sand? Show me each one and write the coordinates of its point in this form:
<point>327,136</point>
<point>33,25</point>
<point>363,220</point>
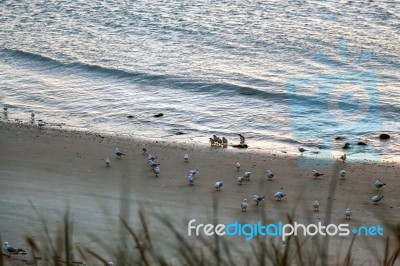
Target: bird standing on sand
<point>33,117</point>
<point>40,123</point>
<point>242,139</point>
<point>316,173</point>
<point>218,185</point>
<point>156,170</point>
<point>379,184</point>
<point>279,195</point>
<point>108,162</point>
<point>224,142</point>
<point>342,173</point>
<point>376,198</point>
<point>257,198</point>
<point>343,157</point>
<point>244,205</point>
<point>246,176</point>
<point>237,166</point>
<point>239,179</point>
<point>270,174</point>
<point>316,205</point>
<point>144,148</point>
<point>212,141</point>
<point>347,213</point>
<point>8,250</point>
<point>186,158</point>
<point>5,112</point>
<point>194,172</point>
<point>118,153</point>
<point>190,178</point>
<point>301,150</point>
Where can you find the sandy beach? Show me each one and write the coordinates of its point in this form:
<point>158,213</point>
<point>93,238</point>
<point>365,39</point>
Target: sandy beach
<point>55,169</point>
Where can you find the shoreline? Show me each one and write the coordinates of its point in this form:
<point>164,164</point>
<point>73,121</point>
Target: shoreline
<point>56,168</point>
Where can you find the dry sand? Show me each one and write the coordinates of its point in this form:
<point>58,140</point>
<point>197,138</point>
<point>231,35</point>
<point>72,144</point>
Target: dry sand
<point>55,169</point>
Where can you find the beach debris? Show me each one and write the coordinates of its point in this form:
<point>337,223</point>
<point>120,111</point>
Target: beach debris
<point>246,176</point>
<point>379,184</point>
<point>239,179</point>
<point>144,148</point>
<point>279,195</point>
<point>301,150</point>
<point>342,173</point>
<point>257,198</point>
<point>347,213</point>
<point>340,138</point>
<point>108,162</point>
<point>156,170</point>
<point>237,165</point>
<point>186,158</point>
<point>269,174</point>
<point>118,153</point>
<point>241,146</point>
<point>346,146</point>
<point>32,117</point>
<point>376,198</point>
<point>384,136</point>
<point>343,157</point>
<point>159,115</point>
<point>362,143</point>
<point>8,250</point>
<point>130,116</point>
<point>244,205</point>
<point>218,185</point>
<point>40,123</point>
<point>179,133</point>
<point>316,174</point>
<point>316,205</point>
<point>242,139</point>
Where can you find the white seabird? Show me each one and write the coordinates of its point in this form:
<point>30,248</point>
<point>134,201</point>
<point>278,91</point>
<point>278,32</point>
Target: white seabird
<point>347,213</point>
<point>190,178</point>
<point>118,153</point>
<point>156,170</point>
<point>270,174</point>
<point>186,158</point>
<point>40,123</point>
<point>316,173</point>
<point>376,198</point>
<point>151,157</point>
<point>239,179</point>
<point>8,250</point>
<point>144,148</point>
<point>379,184</point>
<point>194,172</point>
<point>257,198</point>
<point>108,162</point>
<point>279,195</point>
<point>343,173</point>
<point>237,166</point>
<point>316,205</point>
<point>246,176</point>
<point>218,185</point>
<point>244,205</point>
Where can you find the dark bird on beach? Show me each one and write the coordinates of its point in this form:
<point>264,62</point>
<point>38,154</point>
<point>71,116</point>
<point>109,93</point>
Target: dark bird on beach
<point>316,205</point>
<point>224,142</point>
<point>144,148</point>
<point>118,153</point>
<point>242,139</point>
<point>301,149</point>
<point>343,157</point>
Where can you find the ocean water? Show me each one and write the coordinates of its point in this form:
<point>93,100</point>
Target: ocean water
<point>212,67</point>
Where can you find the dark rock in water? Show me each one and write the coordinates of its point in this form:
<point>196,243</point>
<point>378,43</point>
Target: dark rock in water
<point>362,143</point>
<point>130,116</point>
<point>340,138</point>
<point>384,136</point>
<point>159,115</point>
<point>346,146</point>
<point>240,146</point>
<point>179,133</point>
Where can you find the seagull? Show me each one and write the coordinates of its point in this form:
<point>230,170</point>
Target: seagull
<point>343,157</point>
<point>186,158</point>
<point>144,148</point>
<point>215,138</point>
<point>33,116</point>
<point>242,139</point>
<point>244,205</point>
<point>194,172</point>
<point>257,198</point>
<point>40,123</point>
<point>7,249</point>
<point>279,195</point>
<point>379,184</point>
<point>156,170</point>
<point>219,140</point>
<point>108,162</point>
<point>343,173</point>
<point>5,111</point>
<point>237,166</point>
<point>190,178</point>
<point>376,198</point>
<point>270,174</point>
<point>347,213</point>
<point>118,153</point>
<point>316,173</point>
<point>239,179</point>
<point>316,205</point>
<point>246,176</point>
<point>218,185</point>
<point>151,157</point>
<point>301,149</point>
<point>212,141</point>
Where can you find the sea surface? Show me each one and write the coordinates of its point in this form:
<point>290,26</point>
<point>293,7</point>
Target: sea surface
<point>282,73</point>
